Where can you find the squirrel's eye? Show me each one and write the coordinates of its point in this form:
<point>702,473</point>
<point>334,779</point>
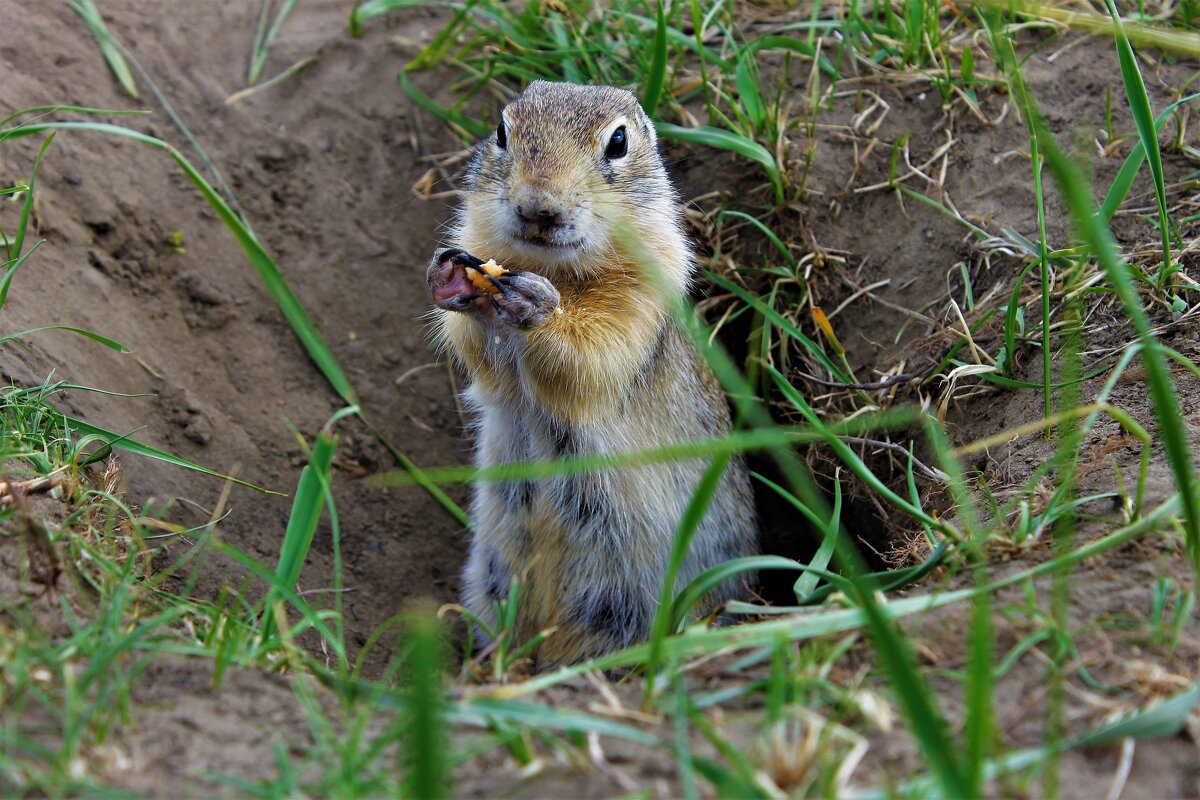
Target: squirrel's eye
<point>618,144</point>
<point>501,136</point>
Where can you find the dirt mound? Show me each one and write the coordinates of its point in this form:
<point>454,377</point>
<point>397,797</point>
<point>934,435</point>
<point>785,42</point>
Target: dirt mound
<point>323,166</point>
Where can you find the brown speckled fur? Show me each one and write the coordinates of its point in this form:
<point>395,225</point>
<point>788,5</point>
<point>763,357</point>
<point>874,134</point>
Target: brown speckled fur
<point>608,372</point>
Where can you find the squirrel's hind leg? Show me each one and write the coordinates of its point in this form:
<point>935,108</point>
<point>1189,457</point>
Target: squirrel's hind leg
<point>499,516</point>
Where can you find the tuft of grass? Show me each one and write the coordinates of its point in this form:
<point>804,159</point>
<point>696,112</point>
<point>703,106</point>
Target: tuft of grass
<point>264,34</point>
<point>1099,240</point>
<point>307,505</point>
<point>1143,119</point>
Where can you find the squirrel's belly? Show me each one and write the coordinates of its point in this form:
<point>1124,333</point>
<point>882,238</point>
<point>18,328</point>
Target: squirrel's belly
<point>586,593</point>
<point>591,548</point>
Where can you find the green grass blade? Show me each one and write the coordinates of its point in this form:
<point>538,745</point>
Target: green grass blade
<point>928,726</point>
<point>272,81</point>
<point>87,11</point>
<point>746,79</point>
<point>1045,287</point>
<point>846,453</point>
<point>777,42</point>
<point>806,584</point>
<point>27,206</point>
<point>428,772</point>
<point>15,265</point>
<point>657,75</point>
<point>472,128</point>
<point>683,752</point>
<point>260,35</point>
<point>374,8</point>
<point>739,442</point>
<point>1158,720</point>
<point>698,33</point>
<point>783,249</point>
<point>979,232</point>
<point>784,324</point>
<point>688,525</point>
<point>1143,119</point>
<point>42,110</point>
<point>713,577</point>
<point>264,36</point>
<point>307,506</point>
<point>980,686</point>
<point>1007,55</point>
<point>1165,402</point>
<point>480,710</point>
<point>440,46</point>
<point>736,442</point>
<point>1179,42</point>
<point>728,782</point>
<point>82,428</point>
<point>734,143</point>
<point>95,337</point>
<point>1133,163</point>
<point>796,502</point>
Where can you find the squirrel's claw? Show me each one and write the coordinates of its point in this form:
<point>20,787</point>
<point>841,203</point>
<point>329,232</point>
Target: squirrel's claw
<point>526,300</point>
<point>501,284</point>
<point>462,257</point>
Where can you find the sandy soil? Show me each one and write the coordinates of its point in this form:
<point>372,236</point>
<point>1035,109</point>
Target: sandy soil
<point>323,166</point>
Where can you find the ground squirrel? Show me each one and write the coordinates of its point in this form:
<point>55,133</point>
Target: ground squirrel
<point>572,350</point>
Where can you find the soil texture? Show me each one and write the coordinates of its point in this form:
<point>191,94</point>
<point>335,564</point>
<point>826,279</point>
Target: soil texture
<point>329,168</point>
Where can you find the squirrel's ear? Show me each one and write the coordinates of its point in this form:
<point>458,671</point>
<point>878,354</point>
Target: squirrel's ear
<point>648,130</point>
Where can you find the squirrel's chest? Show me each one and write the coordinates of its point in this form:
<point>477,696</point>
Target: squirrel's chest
<point>504,349</point>
<point>507,368</point>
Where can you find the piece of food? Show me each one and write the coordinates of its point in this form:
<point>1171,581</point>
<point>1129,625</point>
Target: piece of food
<point>480,276</point>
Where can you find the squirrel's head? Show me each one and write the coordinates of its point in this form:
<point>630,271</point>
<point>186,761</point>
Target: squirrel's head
<point>564,162</point>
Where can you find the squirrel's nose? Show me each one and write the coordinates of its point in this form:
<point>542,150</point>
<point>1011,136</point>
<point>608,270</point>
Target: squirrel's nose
<point>543,214</point>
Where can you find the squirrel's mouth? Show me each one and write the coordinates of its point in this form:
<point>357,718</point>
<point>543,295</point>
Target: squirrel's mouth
<point>542,241</point>
<point>548,240</point>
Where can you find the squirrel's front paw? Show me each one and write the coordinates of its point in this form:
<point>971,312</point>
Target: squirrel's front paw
<point>448,281</point>
<point>525,299</point>
<point>459,281</point>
